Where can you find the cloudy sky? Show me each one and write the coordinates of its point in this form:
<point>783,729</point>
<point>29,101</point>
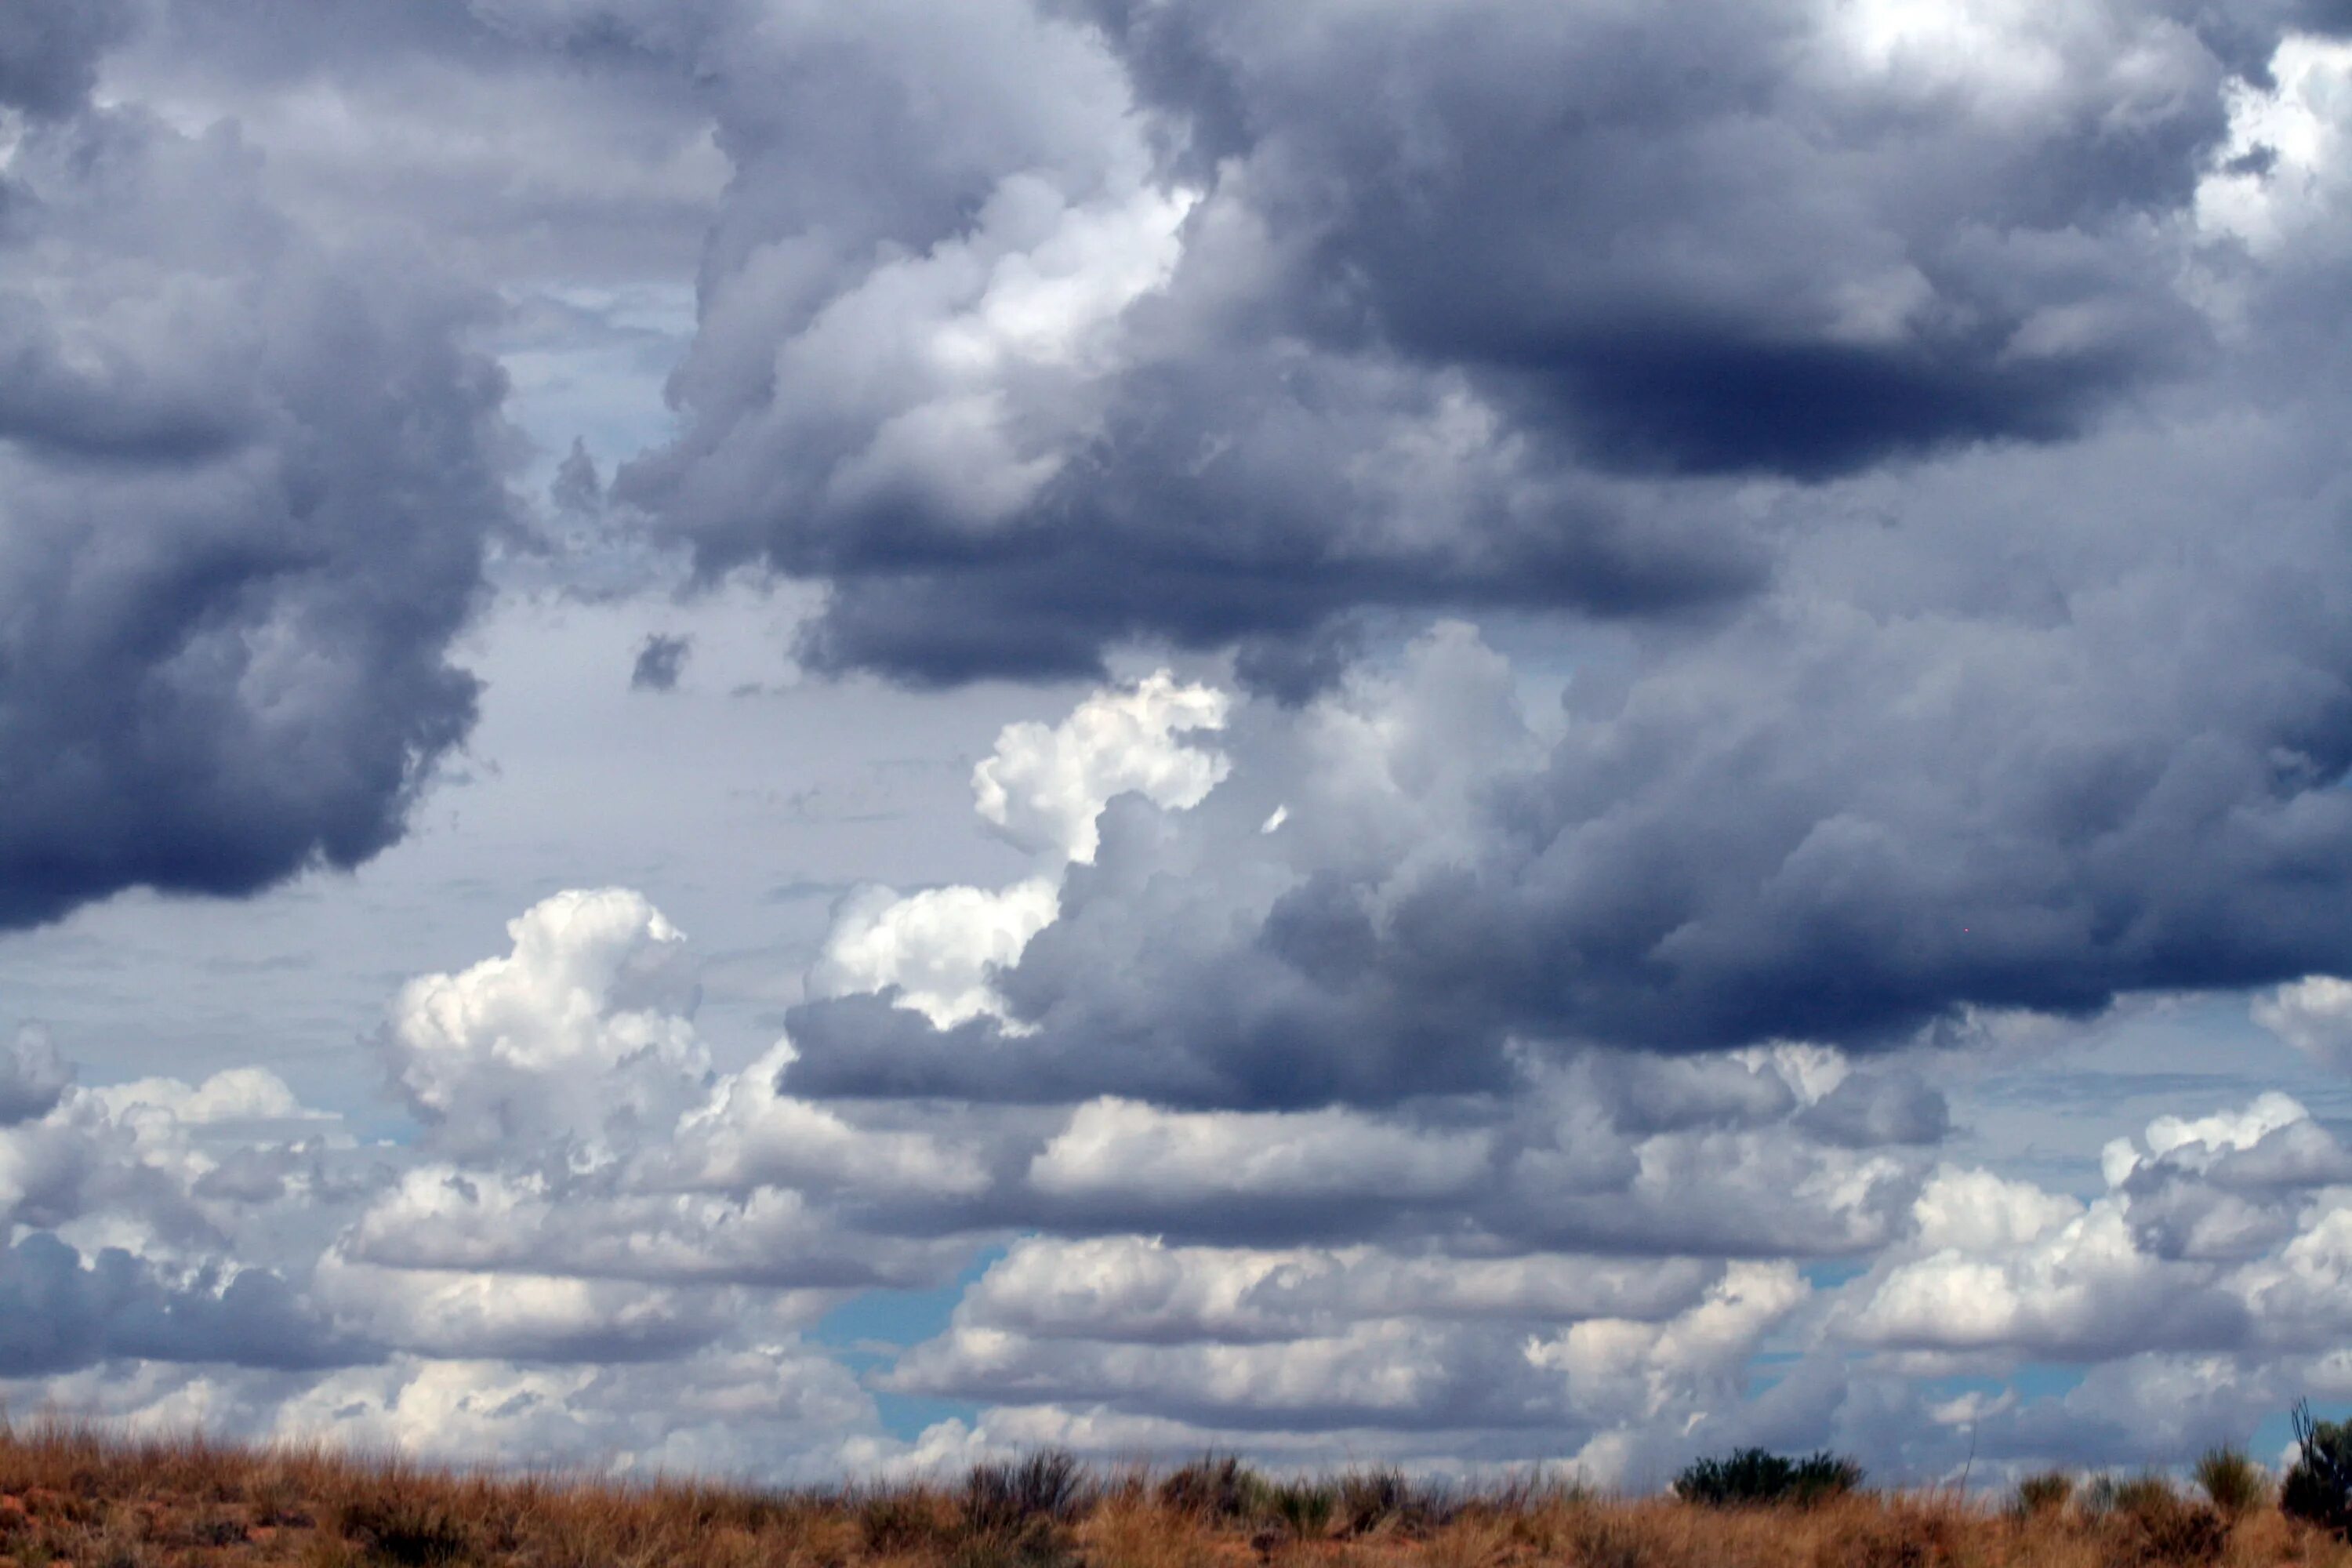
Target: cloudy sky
<point>806,737</point>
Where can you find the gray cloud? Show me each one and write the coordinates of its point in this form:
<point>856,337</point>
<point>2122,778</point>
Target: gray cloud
<point>660,661</point>
<point>64,1311</point>
<point>1226,347</point>
<point>247,484</point>
<point>1894,394</point>
<point>33,1076</point>
<point>1824,821</point>
<point>1522,201</point>
<point>520,166</point>
<point>50,51</point>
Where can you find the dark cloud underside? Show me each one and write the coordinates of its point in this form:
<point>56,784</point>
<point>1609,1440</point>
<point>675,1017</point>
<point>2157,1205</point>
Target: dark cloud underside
<point>1475,339</point>
<point>247,484</point>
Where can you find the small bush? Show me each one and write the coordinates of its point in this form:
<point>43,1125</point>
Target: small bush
<point>1749,1477</point>
<point>414,1530</point>
<point>1014,1514</point>
<point>2043,1495</point>
<point>2146,1493</point>
<point>1215,1488</point>
<point>2318,1486</point>
<point>1000,1499</point>
<point>2235,1484</point>
<point>1371,1499</point>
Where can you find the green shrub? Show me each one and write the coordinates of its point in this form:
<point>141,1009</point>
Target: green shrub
<point>1754,1476</point>
<point>1304,1507</point>
<point>2236,1485</point>
<point>2040,1496</point>
<point>2318,1485</point>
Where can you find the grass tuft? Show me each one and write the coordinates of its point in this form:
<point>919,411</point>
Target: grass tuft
<point>1216,1489</point>
<point>1306,1509</point>
<point>2233,1483</point>
<point>2044,1495</point>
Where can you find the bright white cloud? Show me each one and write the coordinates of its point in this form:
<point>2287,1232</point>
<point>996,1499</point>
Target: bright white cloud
<point>2199,1139</point>
<point>1046,787</point>
<point>1141,1289</point>
<point>1623,1371</point>
<point>236,1094</point>
<point>487,1313</point>
<point>1977,1211</point>
<point>2314,1015</point>
<point>751,1133</point>
<point>937,947</point>
<point>584,1030</point>
<point>1121,1148</point>
<point>2283,169</point>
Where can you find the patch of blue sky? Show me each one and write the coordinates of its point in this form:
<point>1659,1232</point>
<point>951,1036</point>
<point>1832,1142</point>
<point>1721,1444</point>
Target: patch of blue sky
<point>593,364</point>
<point>868,1333</point>
<point>1831,1273</point>
<point>2045,1119</point>
<point>2028,1381</point>
<point>2273,1441</point>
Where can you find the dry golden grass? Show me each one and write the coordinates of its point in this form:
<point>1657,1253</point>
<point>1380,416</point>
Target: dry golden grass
<point>68,1495</point>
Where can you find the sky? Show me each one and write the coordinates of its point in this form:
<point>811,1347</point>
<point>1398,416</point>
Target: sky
<point>799,739</point>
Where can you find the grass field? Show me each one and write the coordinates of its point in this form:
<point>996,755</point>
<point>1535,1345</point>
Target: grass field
<point>68,1495</point>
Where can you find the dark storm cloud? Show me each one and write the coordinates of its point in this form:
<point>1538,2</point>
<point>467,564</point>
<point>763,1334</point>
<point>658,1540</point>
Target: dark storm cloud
<point>244,487</point>
<point>1104,565</point>
<point>1662,230</point>
<point>660,661</point>
<point>517,164</point>
<point>1971,503</point>
<point>1906,785</point>
<point>1481,337</point>
<point>323,37</point>
<point>1871,1110</point>
<point>60,1312</point>
<point>50,51</point>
